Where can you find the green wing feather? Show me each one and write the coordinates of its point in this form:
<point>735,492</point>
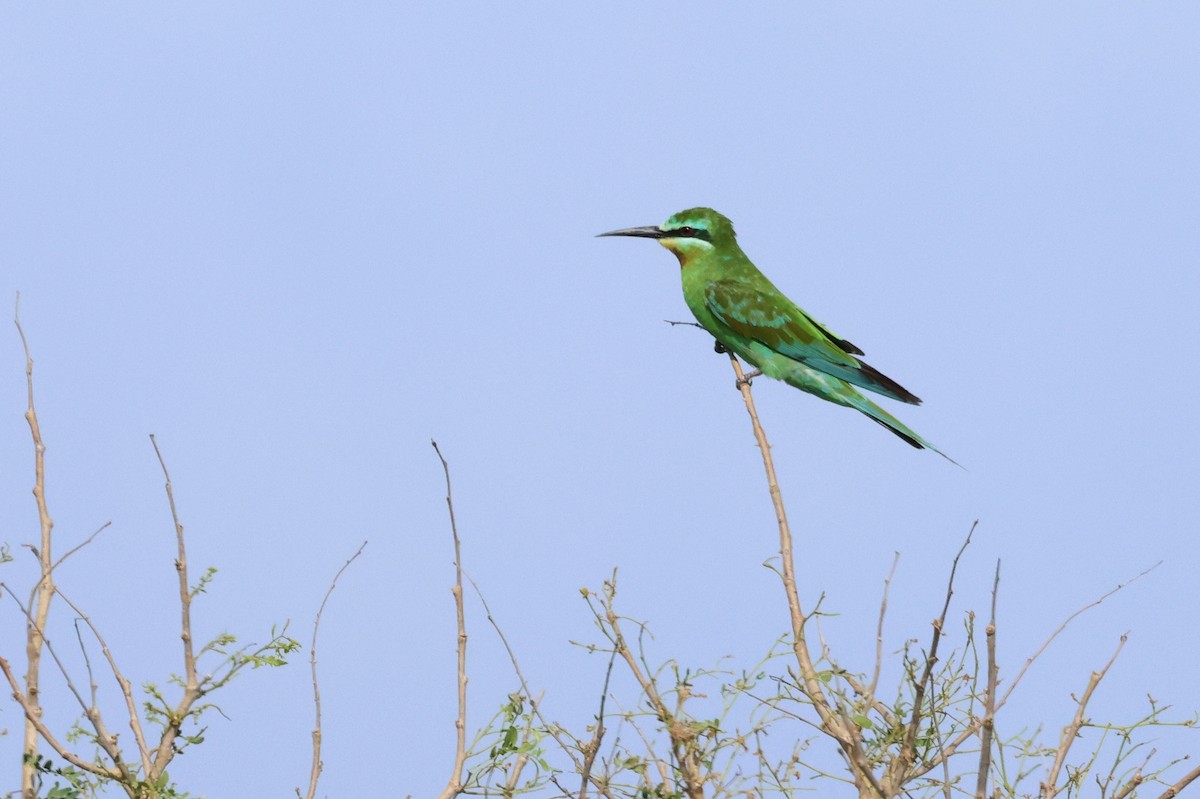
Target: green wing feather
<point>761,313</point>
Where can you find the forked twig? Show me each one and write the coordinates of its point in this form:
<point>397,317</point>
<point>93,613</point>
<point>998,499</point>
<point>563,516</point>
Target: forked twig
<point>1071,731</point>
<point>135,722</point>
<point>685,759</point>
<point>535,703</point>
<point>898,768</point>
<point>104,739</point>
<point>1058,631</point>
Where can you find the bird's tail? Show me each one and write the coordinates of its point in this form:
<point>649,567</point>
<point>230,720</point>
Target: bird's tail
<point>839,391</point>
<point>885,419</point>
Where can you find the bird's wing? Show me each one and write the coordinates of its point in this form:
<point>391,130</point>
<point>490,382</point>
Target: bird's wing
<point>761,313</point>
<point>845,346</point>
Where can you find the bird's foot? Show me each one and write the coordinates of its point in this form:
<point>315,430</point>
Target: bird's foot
<point>719,348</point>
<point>747,379</point>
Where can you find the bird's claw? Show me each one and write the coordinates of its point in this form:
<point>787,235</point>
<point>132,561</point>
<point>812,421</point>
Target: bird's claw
<point>719,348</point>
<point>747,379</point>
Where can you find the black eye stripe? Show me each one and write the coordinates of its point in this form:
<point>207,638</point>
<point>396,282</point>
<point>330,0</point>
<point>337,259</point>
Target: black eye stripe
<point>689,232</point>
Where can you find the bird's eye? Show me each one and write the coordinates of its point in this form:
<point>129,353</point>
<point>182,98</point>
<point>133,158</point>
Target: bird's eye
<point>687,230</point>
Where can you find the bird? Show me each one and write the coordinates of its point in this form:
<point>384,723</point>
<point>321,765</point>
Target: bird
<point>749,316</point>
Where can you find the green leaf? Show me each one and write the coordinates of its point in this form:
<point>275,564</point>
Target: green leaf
<point>863,722</point>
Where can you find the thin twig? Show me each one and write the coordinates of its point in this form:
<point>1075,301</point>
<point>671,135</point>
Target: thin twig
<point>1049,787</point>
<point>33,716</point>
<point>883,603</point>
<point>664,777</point>
<point>592,747</point>
<point>314,773</point>
<point>971,730</point>
<point>535,704</point>
<point>135,723</point>
<point>81,544</point>
<point>988,725</point>
<point>514,773</point>
<point>49,646</point>
<point>455,784</point>
<point>689,766</point>
<point>897,773</point>
<point>192,689</point>
<point>947,782</point>
<point>104,739</point>
<point>1187,779</point>
<point>1063,626</point>
<point>1134,781</point>
<point>861,690</point>
<point>87,663</point>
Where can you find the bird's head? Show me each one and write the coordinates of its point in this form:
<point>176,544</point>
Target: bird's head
<point>688,234</point>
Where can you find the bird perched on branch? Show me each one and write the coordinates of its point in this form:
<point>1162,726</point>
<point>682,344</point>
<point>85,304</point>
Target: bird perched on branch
<point>747,315</point>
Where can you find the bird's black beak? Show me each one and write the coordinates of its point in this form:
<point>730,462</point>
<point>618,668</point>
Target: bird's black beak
<point>650,232</point>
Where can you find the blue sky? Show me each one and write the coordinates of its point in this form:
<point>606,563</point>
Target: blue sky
<point>297,241</point>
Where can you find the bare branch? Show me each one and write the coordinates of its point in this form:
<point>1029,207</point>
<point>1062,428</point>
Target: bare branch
<point>831,723</point>
<point>535,703</point>
<point>988,724</point>
<point>315,771</point>
<point>33,717</point>
<point>105,739</point>
<point>43,591</point>
<point>661,767</point>
<point>1134,781</point>
<point>898,768</point>
<point>191,685</point>
<point>135,722</point>
<point>689,767</point>
<point>87,662</point>
<point>883,603</point>
<point>1049,785</point>
<point>81,544</point>
<point>1185,781</point>
<point>1063,626</point>
<point>185,594</point>
<point>455,785</point>
<point>971,730</point>
<point>592,747</point>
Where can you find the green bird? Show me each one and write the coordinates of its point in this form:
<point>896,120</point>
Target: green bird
<point>747,315</point>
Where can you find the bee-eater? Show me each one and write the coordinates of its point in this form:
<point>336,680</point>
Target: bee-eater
<point>747,315</point>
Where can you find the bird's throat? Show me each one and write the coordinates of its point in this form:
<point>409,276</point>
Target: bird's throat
<point>679,252</point>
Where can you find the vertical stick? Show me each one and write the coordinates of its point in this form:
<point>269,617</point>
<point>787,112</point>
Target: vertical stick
<point>831,723</point>
<point>43,592</point>
<point>455,785</point>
